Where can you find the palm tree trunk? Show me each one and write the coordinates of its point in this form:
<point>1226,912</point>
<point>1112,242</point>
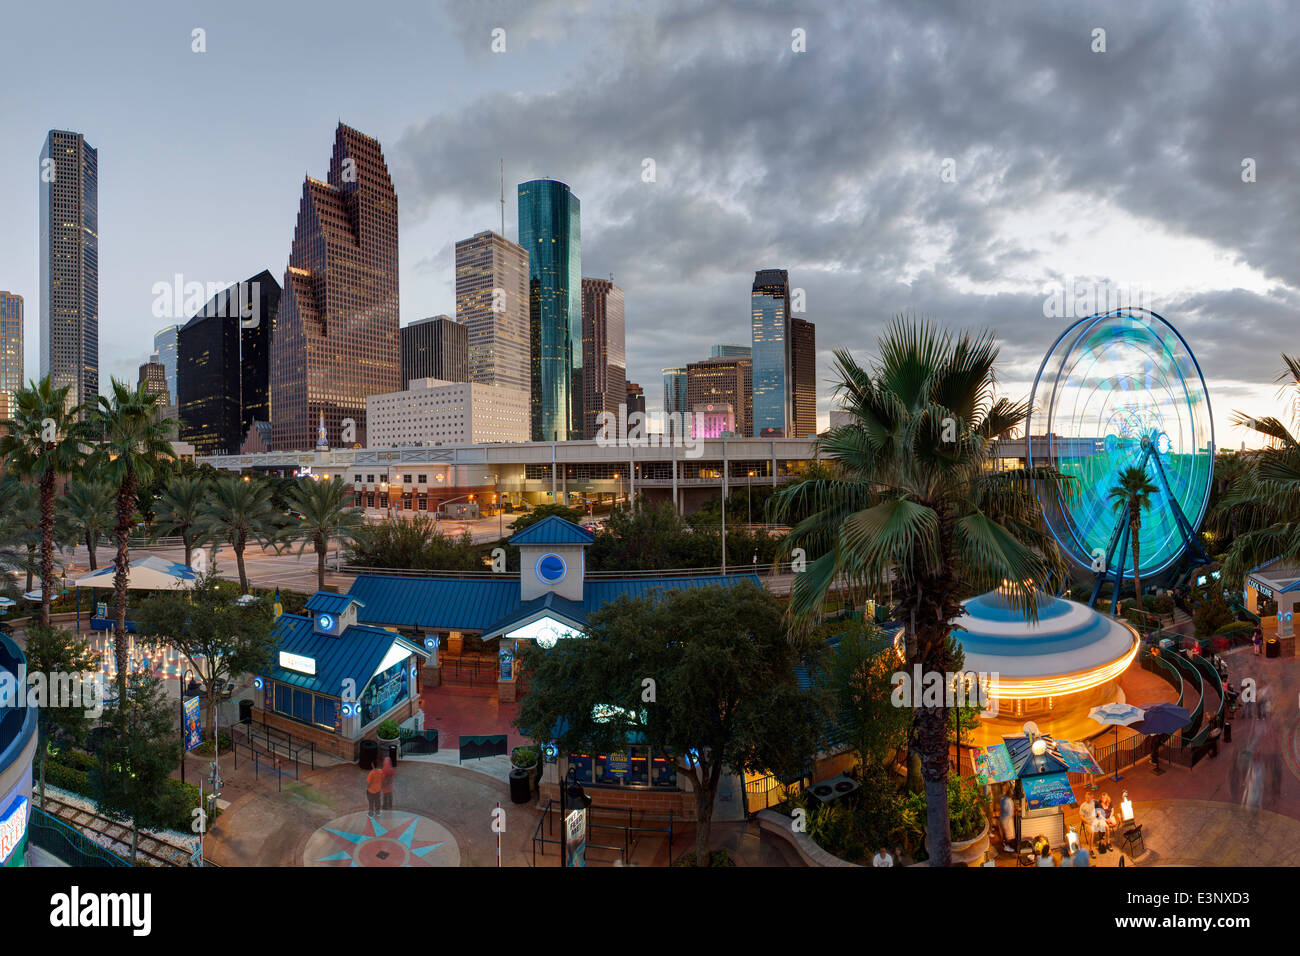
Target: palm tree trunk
<point>239,560</point>
<point>122,568</point>
<point>31,563</point>
<point>91,541</point>
<point>1135,528</point>
<point>320,565</point>
<point>47,542</point>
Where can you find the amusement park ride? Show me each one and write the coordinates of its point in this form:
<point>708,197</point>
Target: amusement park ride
<point>1119,390</point>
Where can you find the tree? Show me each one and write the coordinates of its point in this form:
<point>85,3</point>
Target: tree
<point>131,443</point>
<point>241,511</point>
<point>135,757</point>
<point>217,637</point>
<point>85,513</point>
<point>325,516</point>
<point>705,674</point>
<point>915,501</point>
<point>415,544</point>
<point>42,441</point>
<point>857,671</point>
<point>545,511</point>
<point>179,510</point>
<point>58,655</point>
<point>19,528</point>
<point>1133,493</point>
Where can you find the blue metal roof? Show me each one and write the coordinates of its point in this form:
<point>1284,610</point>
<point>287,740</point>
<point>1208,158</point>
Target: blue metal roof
<point>570,610</point>
<point>599,592</point>
<point>355,654</point>
<point>455,604</point>
<point>331,603</point>
<point>553,530</point>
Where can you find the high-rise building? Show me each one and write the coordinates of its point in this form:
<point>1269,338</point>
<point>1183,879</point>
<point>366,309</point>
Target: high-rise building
<point>549,231</point>
<point>770,323</point>
<point>604,357</point>
<point>11,351</point>
<point>731,351</point>
<point>634,398</point>
<point>153,376</point>
<point>675,390</point>
<point>803,372</point>
<point>69,254</point>
<point>437,347</point>
<point>722,381</point>
<point>492,302</point>
<point>164,343</point>
<point>335,338</point>
<point>224,366</point>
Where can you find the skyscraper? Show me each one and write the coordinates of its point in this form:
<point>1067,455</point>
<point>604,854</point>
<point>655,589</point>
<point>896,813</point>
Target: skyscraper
<point>770,322</point>
<point>153,376</point>
<point>731,351</point>
<point>436,347</point>
<point>549,232</point>
<point>492,302</point>
<point>335,338</point>
<point>164,343</point>
<point>69,255</point>
<point>803,371</point>
<point>224,366</point>
<point>675,390</point>
<point>604,356</point>
<point>11,350</point>
<point>722,381</point>
<point>634,397</point>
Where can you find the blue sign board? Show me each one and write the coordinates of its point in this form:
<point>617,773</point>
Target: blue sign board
<point>1048,790</point>
<point>193,732</point>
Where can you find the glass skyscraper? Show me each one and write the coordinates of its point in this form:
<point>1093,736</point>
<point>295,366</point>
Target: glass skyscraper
<point>770,322</point>
<point>69,252</point>
<point>164,343</point>
<point>11,350</point>
<point>675,390</point>
<point>549,232</point>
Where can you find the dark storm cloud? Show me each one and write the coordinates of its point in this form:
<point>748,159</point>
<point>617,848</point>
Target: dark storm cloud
<point>827,162</point>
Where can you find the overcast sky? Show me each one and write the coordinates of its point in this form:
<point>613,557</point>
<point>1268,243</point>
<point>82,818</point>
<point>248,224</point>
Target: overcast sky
<point>1121,168</point>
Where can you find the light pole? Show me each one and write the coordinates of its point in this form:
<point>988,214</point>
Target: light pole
<point>749,496</point>
<point>496,483</point>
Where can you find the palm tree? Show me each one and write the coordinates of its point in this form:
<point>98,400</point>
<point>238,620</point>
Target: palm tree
<point>44,440</point>
<point>1134,492</point>
<point>326,516</point>
<point>917,503</point>
<point>22,521</point>
<point>85,513</point>
<point>180,510</point>
<point>241,511</point>
<point>131,444</point>
<point>1267,494</point>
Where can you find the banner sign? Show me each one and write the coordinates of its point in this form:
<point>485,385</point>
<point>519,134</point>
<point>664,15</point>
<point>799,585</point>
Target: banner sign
<point>575,833</point>
<point>193,732</point>
<point>995,764</point>
<point>1076,757</point>
<point>13,832</point>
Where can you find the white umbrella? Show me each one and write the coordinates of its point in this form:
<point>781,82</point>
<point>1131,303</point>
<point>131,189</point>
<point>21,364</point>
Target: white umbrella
<point>246,599</point>
<point>1116,715</point>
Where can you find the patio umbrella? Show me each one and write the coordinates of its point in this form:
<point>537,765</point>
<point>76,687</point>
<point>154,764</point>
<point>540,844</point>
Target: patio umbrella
<point>1162,718</point>
<point>1116,715</point>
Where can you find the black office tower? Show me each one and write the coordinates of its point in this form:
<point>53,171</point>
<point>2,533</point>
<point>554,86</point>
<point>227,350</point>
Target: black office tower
<point>223,365</point>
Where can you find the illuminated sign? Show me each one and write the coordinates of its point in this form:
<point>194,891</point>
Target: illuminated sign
<point>551,568</point>
<point>546,631</point>
<point>1261,589</point>
<point>296,662</point>
<point>13,828</point>
<point>325,622</point>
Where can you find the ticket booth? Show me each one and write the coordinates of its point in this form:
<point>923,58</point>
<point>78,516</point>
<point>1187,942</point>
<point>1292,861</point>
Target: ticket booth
<point>1272,593</point>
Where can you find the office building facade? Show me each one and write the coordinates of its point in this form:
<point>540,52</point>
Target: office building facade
<point>434,412</point>
<point>770,324</point>
<point>604,355</point>
<point>11,351</point>
<point>550,232</point>
<point>165,344</point>
<point>731,351</point>
<point>336,335</point>
<point>722,381</point>
<point>803,375</point>
<point>634,398</point>
<point>224,359</point>
<point>153,376</point>
<point>437,347</point>
<point>69,255</point>
<point>675,390</point>
<point>492,302</point>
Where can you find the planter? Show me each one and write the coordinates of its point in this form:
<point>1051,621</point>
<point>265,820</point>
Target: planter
<point>385,743</point>
<point>968,851</point>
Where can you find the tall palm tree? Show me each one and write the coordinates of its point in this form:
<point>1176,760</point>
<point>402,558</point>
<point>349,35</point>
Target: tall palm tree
<point>85,513</point>
<point>1134,492</point>
<point>1267,495</point>
<point>44,440</point>
<point>132,442</point>
<point>916,502</point>
<point>22,520</point>
<point>240,511</point>
<point>327,517</point>
<point>180,510</point>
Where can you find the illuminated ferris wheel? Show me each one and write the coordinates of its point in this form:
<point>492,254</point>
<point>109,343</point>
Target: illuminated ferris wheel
<point>1116,391</point>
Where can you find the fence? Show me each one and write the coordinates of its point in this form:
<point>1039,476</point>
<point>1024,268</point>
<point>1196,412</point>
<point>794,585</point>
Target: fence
<point>265,751</point>
<point>70,845</point>
<point>627,830</point>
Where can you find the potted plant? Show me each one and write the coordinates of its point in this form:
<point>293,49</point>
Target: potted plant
<point>527,759</point>
<point>967,819</point>
<point>387,733</point>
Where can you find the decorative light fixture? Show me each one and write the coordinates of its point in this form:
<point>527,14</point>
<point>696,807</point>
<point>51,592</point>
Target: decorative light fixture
<point>1125,808</point>
<point>1039,746</point>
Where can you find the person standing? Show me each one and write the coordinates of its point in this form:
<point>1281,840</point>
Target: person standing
<point>386,789</point>
<point>374,787</point>
<point>1258,639</point>
<point>882,858</point>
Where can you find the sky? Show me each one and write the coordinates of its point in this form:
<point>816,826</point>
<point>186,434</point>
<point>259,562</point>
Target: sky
<point>960,162</point>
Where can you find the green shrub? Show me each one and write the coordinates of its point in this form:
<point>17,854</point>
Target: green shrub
<point>388,730</point>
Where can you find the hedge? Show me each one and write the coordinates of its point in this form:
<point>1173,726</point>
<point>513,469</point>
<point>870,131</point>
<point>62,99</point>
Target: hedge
<point>70,771</point>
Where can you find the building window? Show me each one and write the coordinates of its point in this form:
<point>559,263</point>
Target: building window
<point>304,706</point>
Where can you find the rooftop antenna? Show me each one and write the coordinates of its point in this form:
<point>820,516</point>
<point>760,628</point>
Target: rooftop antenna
<point>503,197</point>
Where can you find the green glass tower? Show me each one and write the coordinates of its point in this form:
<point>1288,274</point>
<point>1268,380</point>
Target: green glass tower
<point>549,231</point>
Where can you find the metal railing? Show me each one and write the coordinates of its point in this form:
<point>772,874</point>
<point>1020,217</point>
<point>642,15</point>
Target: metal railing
<point>625,849</point>
<point>69,845</point>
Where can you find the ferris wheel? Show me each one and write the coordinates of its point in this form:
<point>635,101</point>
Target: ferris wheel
<point>1122,390</point>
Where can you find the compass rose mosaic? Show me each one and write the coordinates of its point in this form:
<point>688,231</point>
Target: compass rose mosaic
<point>391,839</point>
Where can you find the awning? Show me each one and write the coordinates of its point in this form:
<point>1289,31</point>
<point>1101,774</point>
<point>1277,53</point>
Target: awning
<point>149,573</point>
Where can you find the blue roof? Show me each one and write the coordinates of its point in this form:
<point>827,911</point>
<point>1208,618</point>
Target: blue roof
<point>598,592</point>
<point>553,530</point>
<point>355,654</point>
<point>331,603</point>
<point>572,610</point>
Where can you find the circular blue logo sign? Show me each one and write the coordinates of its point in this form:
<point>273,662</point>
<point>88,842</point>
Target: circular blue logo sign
<point>325,622</point>
<point>551,568</point>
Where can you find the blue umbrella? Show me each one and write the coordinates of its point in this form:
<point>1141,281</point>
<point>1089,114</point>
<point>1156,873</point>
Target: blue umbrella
<point>1162,718</point>
<point>1116,715</point>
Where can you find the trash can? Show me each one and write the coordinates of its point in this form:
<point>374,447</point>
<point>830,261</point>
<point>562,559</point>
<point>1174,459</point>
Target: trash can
<point>431,741</point>
<point>369,754</point>
<point>1271,647</point>
<point>1227,732</point>
<point>520,786</point>
<point>1214,742</point>
<point>245,711</point>
<point>392,753</point>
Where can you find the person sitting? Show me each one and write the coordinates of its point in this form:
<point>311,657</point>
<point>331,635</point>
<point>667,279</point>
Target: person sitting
<point>882,858</point>
<point>1087,819</point>
<point>1107,821</point>
<point>1080,857</point>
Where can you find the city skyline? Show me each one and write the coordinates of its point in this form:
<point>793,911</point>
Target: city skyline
<point>870,231</point>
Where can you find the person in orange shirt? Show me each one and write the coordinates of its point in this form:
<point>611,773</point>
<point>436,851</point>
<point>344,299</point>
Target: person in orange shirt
<point>374,785</point>
<point>387,790</point>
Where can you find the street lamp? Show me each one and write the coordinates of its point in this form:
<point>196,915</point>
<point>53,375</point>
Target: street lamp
<point>496,483</point>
